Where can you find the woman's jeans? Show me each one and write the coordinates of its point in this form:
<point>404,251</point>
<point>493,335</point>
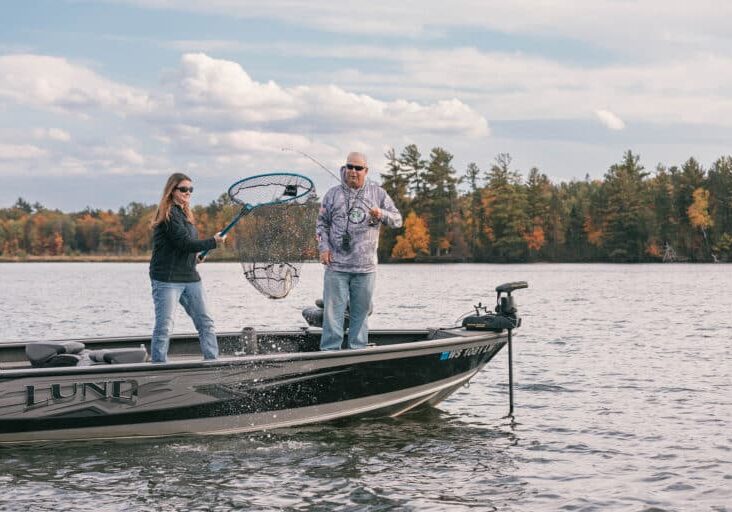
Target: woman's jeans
<point>191,296</point>
<point>341,289</point>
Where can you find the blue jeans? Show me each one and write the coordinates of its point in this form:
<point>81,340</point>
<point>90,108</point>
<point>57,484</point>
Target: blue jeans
<point>190,295</point>
<point>341,289</point>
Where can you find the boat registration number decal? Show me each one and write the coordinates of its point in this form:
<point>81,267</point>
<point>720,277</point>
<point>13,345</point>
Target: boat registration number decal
<point>464,352</point>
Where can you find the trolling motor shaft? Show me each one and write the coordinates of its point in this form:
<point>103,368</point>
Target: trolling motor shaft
<point>504,317</point>
<point>507,306</point>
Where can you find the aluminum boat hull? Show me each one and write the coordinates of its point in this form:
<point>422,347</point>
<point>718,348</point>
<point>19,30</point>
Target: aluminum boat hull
<point>288,383</point>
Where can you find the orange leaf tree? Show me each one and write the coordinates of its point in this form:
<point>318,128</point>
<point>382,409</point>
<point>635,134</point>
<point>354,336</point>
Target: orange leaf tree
<point>698,212</point>
<point>416,238</point>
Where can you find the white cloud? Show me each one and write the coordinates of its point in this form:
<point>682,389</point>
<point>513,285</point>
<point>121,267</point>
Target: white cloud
<point>117,155</point>
<point>70,166</point>
<point>445,116</point>
<point>55,83</point>
<point>213,112</point>
<point>20,152</point>
<point>610,120</point>
<point>213,90</point>
<point>657,26</point>
<point>254,141</point>
<point>128,156</point>
<point>213,85</point>
<point>58,134</point>
<point>660,67</point>
<point>519,86</point>
<point>501,85</point>
<point>55,134</point>
<point>234,144</point>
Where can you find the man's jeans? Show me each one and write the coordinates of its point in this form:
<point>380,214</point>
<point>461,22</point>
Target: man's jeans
<point>341,289</point>
<point>191,296</point>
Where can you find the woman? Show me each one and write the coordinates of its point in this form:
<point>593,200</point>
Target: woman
<point>173,269</point>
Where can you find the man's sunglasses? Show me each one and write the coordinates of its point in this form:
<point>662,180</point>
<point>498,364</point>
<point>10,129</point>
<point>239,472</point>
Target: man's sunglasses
<point>185,189</point>
<point>352,167</point>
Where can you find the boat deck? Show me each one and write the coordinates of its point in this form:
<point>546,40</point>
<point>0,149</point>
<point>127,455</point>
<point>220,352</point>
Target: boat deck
<point>186,347</point>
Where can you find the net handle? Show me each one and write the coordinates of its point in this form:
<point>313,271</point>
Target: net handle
<point>245,210</point>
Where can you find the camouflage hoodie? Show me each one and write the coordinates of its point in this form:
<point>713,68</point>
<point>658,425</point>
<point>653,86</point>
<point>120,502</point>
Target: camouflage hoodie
<point>346,210</point>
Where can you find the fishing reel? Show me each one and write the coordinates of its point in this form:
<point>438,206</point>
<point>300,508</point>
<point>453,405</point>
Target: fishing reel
<point>504,314</point>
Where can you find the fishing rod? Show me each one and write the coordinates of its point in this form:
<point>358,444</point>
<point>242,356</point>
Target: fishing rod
<point>322,166</point>
<point>314,160</point>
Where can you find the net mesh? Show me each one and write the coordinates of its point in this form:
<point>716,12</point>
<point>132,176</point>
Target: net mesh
<point>273,241</point>
<point>275,280</point>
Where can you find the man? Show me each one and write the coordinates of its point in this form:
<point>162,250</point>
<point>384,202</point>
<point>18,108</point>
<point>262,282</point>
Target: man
<point>348,237</point>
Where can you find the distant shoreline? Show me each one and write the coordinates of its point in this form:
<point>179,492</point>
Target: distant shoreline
<point>145,258</point>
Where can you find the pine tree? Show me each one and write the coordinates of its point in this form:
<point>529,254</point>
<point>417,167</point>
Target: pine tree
<point>439,199</point>
<point>664,229</point>
<point>413,166</point>
<point>395,181</point>
<point>472,213</point>
<point>627,213</point>
<point>504,204</point>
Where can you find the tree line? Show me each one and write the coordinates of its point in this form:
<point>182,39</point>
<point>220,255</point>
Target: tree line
<point>495,215</point>
<point>673,213</point>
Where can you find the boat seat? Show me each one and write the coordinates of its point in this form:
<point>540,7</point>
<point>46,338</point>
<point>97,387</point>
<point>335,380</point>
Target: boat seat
<point>119,355</point>
<point>47,354</point>
<point>313,315</point>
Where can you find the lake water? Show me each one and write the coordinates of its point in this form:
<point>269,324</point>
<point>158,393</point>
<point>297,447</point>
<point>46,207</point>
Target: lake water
<point>622,398</point>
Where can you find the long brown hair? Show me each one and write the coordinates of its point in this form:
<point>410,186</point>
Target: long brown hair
<point>162,214</point>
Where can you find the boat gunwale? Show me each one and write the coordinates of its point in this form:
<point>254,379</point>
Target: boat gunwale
<point>256,359</point>
<point>137,338</point>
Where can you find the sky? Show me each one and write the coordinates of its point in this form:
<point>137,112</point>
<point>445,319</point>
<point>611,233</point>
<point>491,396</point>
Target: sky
<point>101,100</point>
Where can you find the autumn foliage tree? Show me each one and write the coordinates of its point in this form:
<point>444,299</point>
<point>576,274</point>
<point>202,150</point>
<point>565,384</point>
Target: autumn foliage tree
<point>698,212</point>
<point>415,241</point>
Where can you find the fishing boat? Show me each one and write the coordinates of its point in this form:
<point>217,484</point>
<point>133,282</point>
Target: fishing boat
<point>105,388</point>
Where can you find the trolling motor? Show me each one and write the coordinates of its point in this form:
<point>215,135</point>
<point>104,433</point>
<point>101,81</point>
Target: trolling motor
<point>505,317</point>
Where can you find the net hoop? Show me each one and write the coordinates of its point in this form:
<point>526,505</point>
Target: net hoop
<point>302,186</point>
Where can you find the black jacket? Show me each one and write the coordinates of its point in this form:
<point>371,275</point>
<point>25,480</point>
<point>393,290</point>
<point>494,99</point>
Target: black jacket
<point>175,244</point>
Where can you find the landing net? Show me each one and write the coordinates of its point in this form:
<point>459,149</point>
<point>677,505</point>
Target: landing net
<point>277,237</point>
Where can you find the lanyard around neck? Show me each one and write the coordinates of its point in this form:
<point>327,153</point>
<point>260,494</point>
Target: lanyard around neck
<point>359,194</point>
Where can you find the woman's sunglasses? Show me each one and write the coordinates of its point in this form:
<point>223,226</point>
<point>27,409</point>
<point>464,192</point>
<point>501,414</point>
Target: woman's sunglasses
<point>185,189</point>
<point>352,167</point>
